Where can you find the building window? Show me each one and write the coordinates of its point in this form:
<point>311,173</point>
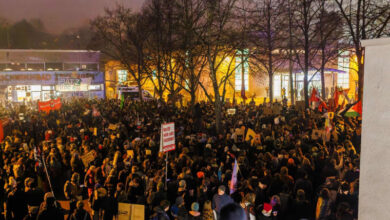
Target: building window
<point>242,60</point>
<point>122,76</point>
<point>277,90</point>
<point>343,61</point>
<point>343,80</point>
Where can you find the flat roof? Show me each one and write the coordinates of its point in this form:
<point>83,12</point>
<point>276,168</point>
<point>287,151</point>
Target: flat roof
<point>48,56</point>
<point>49,50</point>
<point>376,42</point>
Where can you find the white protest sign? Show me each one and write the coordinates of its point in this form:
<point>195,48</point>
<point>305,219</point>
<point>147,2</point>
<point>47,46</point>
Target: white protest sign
<point>168,137</point>
<point>231,111</point>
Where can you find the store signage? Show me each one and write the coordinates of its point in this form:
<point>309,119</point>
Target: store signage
<point>69,81</point>
<point>26,78</point>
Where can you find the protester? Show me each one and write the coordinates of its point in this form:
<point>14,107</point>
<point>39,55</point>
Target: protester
<point>232,211</point>
<point>80,213</point>
<point>290,167</point>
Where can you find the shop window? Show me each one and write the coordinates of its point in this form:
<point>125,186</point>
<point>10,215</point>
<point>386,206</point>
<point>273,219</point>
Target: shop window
<point>94,87</point>
<point>16,66</point>
<point>54,66</point>
<point>71,66</point>
<point>35,67</point>
<point>89,67</point>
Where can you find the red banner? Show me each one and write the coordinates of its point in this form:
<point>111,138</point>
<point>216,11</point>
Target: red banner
<point>53,104</point>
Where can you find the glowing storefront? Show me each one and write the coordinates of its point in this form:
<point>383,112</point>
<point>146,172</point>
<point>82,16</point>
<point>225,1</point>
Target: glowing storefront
<point>30,75</point>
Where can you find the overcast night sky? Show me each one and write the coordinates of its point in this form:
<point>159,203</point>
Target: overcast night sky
<point>59,15</point>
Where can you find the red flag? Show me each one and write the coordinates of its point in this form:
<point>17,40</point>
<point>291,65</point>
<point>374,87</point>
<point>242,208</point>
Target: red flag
<point>358,107</point>
<point>322,106</point>
<point>1,131</point>
<point>313,96</point>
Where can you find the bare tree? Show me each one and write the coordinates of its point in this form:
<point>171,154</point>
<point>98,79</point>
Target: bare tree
<point>267,24</point>
<point>364,19</point>
<point>190,50</point>
<point>220,39</point>
<point>121,35</point>
<point>329,38</point>
<point>305,15</point>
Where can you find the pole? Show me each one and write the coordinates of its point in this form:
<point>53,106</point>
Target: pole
<point>48,177</point>
<point>166,171</point>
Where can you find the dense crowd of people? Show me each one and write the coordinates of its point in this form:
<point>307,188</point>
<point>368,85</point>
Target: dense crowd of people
<point>105,153</point>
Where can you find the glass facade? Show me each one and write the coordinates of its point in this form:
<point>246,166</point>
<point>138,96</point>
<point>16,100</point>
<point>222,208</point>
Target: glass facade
<point>343,64</point>
<point>242,60</point>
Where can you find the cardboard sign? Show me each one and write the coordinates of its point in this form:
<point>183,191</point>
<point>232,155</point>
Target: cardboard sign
<point>124,211</point>
<point>88,157</point>
<point>112,126</point>
<point>148,152</point>
<point>250,134</point>
<point>130,153</point>
<point>128,211</point>
<point>231,111</point>
<point>168,137</point>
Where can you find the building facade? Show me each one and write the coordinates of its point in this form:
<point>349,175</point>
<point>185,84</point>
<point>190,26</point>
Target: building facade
<point>339,73</point>
<point>32,75</point>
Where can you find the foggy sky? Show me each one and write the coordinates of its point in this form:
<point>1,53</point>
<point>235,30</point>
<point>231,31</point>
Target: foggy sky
<point>59,15</point>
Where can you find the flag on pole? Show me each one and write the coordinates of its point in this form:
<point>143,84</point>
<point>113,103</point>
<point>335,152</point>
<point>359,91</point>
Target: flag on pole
<point>1,131</point>
<point>233,181</point>
<point>314,99</point>
<point>355,110</point>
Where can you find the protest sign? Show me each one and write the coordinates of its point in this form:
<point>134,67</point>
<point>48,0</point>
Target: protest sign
<point>250,134</point>
<point>88,157</point>
<point>130,153</point>
<point>168,137</point>
<point>148,152</point>
<point>112,126</point>
<point>231,111</point>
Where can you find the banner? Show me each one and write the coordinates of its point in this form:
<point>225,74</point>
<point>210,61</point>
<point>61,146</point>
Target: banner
<point>233,181</point>
<point>168,137</point>
<point>53,104</point>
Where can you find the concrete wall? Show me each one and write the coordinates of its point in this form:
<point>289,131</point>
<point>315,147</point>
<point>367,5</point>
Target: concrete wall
<point>374,194</point>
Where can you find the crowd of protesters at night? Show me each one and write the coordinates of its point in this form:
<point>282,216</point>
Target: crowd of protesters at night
<point>293,168</point>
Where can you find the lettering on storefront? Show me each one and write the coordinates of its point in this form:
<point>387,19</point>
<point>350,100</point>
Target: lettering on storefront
<point>18,79</point>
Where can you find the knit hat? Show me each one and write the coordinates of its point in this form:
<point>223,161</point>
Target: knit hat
<point>200,174</point>
<point>195,206</point>
<point>267,207</point>
<point>179,200</point>
<point>182,185</point>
